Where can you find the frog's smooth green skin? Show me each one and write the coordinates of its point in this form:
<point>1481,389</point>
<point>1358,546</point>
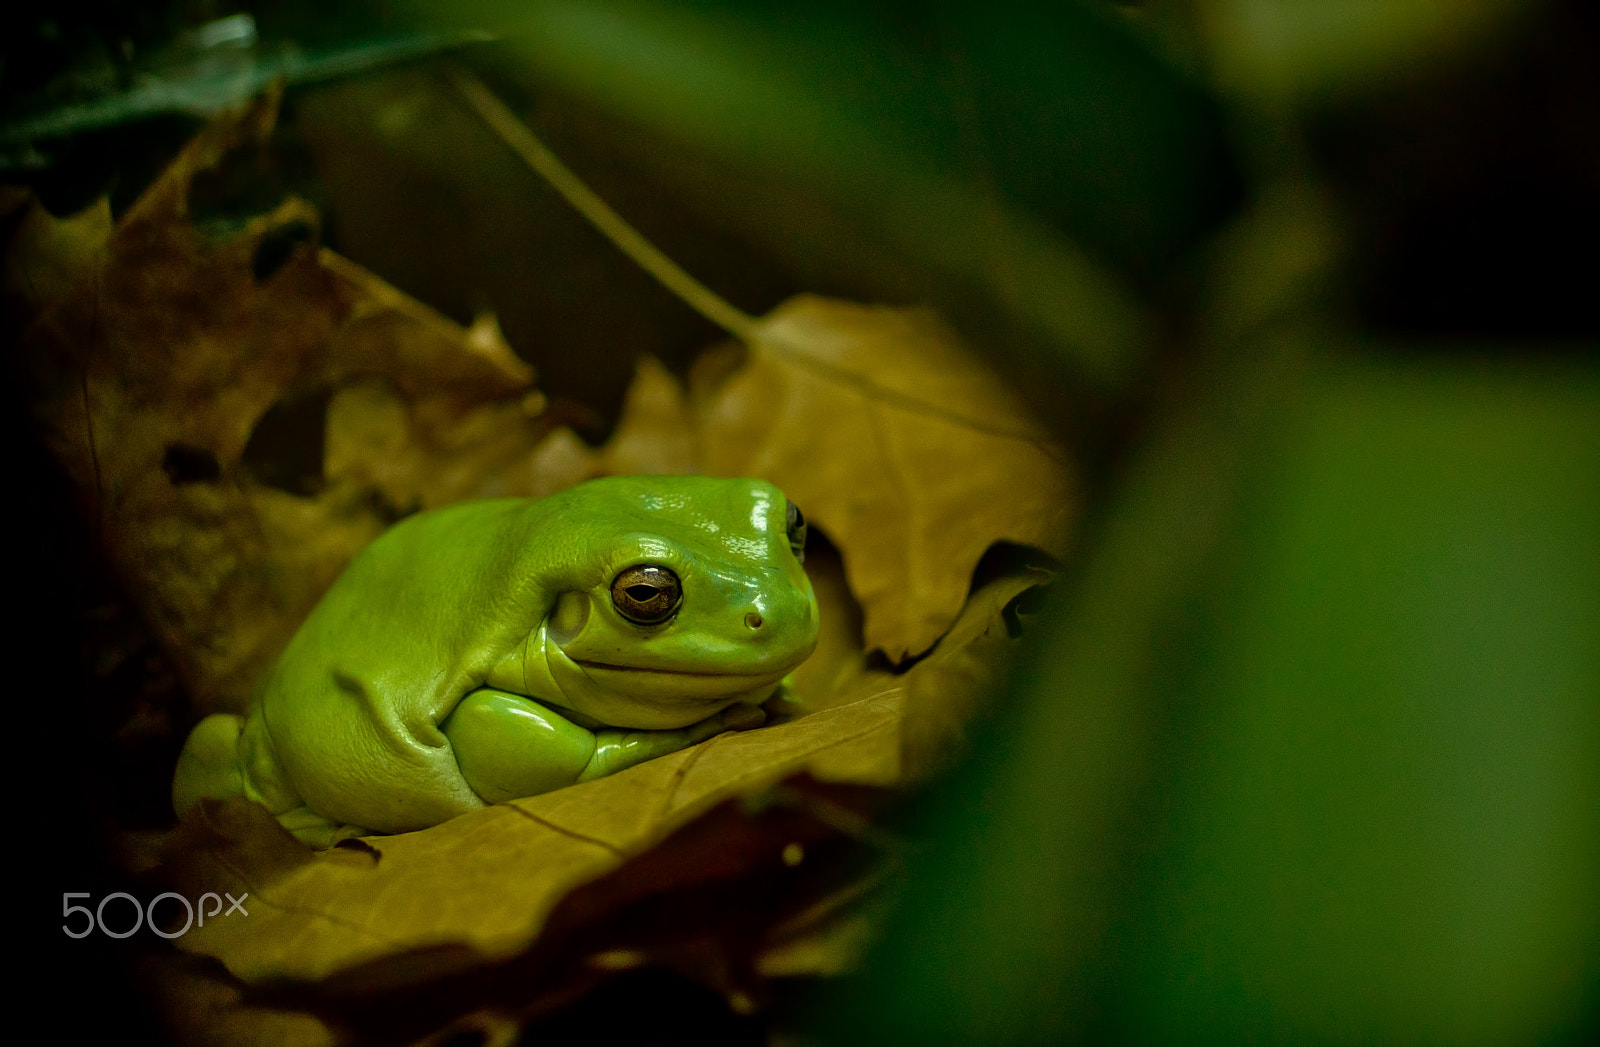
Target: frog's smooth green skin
<point>477,653</point>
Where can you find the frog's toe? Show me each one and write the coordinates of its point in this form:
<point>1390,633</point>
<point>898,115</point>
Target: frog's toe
<point>313,829</point>
<point>209,764</point>
<point>743,717</point>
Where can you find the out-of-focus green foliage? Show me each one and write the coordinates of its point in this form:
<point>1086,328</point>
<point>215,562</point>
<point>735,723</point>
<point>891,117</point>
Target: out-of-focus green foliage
<point>1381,823</point>
<point>1342,785</point>
<point>1313,750</point>
<point>1308,50</point>
<point>965,137</point>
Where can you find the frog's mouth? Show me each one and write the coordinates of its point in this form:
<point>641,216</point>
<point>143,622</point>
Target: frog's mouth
<point>688,687</point>
<point>698,674</point>
<point>657,697</point>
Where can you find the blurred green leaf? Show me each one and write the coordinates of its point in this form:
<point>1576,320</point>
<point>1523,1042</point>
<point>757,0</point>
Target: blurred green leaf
<point>1042,157</point>
<point>1387,825</point>
<point>1310,50</point>
<point>833,102</point>
<point>1372,785</point>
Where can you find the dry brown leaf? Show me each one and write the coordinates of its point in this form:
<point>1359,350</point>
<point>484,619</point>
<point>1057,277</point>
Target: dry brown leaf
<point>837,671</point>
<point>949,688</point>
<point>481,887</point>
<point>656,434</point>
<point>47,255</point>
<point>831,935</point>
<point>833,945</point>
<point>901,445</point>
<point>485,882</point>
<point>161,369</point>
<point>698,904</point>
<point>943,693</point>
<point>162,377</point>
<point>201,1007</point>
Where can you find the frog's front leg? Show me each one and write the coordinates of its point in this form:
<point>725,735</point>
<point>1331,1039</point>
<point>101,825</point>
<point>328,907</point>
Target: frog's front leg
<point>616,748</point>
<point>508,746</point>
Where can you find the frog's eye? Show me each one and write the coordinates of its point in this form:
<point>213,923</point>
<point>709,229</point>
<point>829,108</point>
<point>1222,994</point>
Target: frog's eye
<point>647,594</point>
<point>796,525</point>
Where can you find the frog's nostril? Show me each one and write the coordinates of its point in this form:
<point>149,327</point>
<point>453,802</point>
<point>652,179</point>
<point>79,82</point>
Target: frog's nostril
<point>753,620</point>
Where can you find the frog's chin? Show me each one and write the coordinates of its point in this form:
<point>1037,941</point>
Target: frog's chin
<point>654,698</point>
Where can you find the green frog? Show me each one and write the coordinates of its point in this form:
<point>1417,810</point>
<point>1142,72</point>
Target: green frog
<point>498,649</point>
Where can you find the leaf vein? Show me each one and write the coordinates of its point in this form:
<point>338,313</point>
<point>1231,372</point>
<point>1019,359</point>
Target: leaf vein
<point>563,830</point>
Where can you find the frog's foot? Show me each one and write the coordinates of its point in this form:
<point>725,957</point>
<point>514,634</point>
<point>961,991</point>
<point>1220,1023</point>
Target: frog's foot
<point>311,828</point>
<point>209,765</point>
<point>616,749</point>
<point>508,746</point>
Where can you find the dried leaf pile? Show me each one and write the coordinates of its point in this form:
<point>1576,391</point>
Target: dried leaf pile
<point>242,411</point>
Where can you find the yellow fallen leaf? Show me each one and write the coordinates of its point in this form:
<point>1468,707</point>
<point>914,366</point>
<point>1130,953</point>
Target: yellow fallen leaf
<point>948,689</point>
<point>481,888</point>
<point>175,386</point>
<point>47,255</point>
<point>179,386</point>
<point>485,882</point>
<point>901,445</point>
<point>830,936</point>
<point>837,671</point>
<point>832,945</point>
<point>203,1007</point>
<point>656,433</point>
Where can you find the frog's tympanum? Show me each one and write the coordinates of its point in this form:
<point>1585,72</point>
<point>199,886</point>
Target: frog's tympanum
<point>497,649</point>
